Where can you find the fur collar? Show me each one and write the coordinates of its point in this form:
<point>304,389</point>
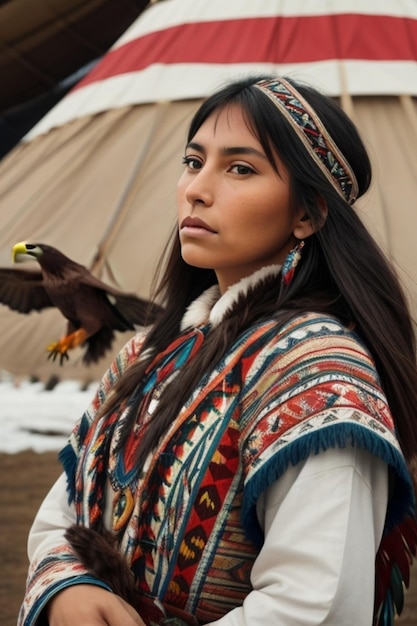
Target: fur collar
<point>210,307</point>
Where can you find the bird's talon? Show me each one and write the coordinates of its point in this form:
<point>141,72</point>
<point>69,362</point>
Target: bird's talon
<point>63,357</point>
<point>58,348</point>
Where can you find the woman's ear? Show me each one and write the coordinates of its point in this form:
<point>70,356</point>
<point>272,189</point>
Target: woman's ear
<point>304,227</point>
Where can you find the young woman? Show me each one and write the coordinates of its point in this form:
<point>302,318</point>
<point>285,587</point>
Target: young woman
<point>248,459</point>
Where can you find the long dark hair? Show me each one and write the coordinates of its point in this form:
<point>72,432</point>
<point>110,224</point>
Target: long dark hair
<point>342,272</point>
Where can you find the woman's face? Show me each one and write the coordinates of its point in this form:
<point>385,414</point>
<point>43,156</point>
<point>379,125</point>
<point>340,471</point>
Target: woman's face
<point>234,208</point>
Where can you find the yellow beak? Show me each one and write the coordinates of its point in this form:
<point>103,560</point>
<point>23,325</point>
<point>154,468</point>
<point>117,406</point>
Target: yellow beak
<point>17,250</point>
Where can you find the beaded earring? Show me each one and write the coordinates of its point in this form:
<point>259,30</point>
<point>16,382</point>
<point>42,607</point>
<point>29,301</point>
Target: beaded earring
<point>290,263</point>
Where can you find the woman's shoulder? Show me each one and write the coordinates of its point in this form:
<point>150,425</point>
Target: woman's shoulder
<point>305,334</point>
<point>308,344</point>
<point>313,325</point>
<point>316,322</point>
<point>310,336</point>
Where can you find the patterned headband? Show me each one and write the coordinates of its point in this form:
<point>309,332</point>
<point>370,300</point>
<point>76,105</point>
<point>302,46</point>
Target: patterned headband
<point>313,134</point>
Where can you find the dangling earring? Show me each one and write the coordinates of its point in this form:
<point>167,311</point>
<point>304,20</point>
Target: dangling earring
<point>290,263</point>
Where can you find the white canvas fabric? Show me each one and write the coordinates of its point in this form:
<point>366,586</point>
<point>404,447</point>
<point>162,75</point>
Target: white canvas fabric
<point>96,177</point>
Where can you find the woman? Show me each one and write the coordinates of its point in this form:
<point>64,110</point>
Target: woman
<point>241,454</point>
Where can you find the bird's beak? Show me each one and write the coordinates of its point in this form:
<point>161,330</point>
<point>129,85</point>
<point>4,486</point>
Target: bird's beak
<point>21,253</point>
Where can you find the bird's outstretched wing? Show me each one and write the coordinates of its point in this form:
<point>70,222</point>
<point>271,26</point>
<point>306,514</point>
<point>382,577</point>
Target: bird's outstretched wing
<point>393,563</point>
<point>23,290</point>
<point>133,309</point>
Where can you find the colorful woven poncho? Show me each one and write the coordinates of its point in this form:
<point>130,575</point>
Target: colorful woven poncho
<point>187,525</point>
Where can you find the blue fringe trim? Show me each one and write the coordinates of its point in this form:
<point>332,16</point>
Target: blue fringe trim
<point>36,615</point>
<point>68,460</point>
<point>335,436</point>
<point>68,456</point>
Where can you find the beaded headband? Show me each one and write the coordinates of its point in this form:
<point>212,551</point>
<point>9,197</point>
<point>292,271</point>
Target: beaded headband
<point>313,134</point>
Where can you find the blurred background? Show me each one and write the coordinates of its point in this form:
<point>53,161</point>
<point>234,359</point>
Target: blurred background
<point>95,99</point>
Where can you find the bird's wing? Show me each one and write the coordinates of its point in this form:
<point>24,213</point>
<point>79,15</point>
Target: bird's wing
<point>133,309</point>
<point>393,562</point>
<point>23,290</point>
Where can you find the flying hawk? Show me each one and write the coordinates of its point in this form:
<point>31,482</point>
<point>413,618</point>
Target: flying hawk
<point>93,309</point>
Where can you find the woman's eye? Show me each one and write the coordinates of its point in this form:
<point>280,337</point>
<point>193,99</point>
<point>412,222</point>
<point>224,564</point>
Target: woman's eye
<point>192,162</point>
<point>241,169</point>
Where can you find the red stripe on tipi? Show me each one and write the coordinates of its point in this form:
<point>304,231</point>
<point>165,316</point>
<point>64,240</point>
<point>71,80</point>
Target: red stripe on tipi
<point>279,40</point>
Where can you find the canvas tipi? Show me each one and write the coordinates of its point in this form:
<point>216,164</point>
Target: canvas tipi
<point>96,177</point>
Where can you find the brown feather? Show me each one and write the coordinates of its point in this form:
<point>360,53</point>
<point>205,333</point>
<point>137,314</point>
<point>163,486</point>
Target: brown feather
<point>97,553</point>
<point>393,562</point>
<point>23,290</point>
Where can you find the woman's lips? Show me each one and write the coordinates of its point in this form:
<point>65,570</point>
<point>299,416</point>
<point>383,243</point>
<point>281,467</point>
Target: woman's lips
<point>195,226</point>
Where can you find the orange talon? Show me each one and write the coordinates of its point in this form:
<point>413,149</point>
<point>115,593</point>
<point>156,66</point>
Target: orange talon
<point>54,350</point>
<point>66,343</point>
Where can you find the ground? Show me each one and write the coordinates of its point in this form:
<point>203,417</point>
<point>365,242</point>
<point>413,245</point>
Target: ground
<point>26,477</point>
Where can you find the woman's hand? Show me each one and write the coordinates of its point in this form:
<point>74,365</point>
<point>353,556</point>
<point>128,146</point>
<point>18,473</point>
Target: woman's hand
<point>90,605</point>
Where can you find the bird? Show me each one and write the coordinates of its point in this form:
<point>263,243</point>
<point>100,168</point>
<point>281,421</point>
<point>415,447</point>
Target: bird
<point>92,308</point>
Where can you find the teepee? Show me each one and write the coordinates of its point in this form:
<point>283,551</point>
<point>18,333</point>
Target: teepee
<point>96,176</point>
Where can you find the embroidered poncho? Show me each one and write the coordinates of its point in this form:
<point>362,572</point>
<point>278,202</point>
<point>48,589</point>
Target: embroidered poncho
<point>188,525</point>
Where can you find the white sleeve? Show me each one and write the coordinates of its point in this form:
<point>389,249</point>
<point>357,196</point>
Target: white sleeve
<point>53,564</point>
<point>323,521</point>
<point>54,516</point>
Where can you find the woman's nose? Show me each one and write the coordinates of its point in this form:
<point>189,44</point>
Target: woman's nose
<point>200,188</point>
